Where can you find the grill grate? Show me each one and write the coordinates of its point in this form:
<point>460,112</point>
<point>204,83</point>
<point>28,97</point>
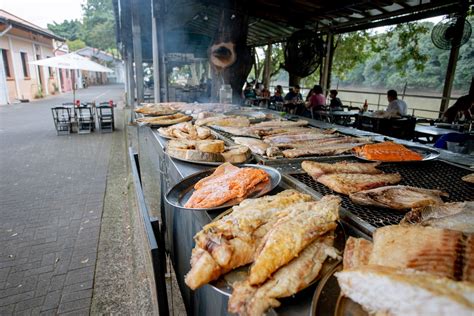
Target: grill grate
<point>430,175</point>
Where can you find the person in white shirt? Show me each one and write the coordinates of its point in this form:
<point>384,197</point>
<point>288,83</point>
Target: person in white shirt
<point>395,105</point>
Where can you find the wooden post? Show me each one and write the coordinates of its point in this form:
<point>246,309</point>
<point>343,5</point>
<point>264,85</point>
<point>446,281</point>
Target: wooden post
<point>293,80</point>
<point>326,75</point>
<point>229,55</point>
<point>453,57</point>
<point>268,64</point>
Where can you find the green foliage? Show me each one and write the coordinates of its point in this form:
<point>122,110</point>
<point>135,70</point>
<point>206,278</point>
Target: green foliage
<point>75,45</point>
<point>96,30</point>
<point>404,54</point>
<point>69,29</point>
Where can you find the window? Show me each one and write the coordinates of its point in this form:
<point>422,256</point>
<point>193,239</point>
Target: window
<point>24,63</point>
<point>6,63</point>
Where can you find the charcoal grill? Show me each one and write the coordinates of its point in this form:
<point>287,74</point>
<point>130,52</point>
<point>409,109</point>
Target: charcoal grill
<point>435,174</point>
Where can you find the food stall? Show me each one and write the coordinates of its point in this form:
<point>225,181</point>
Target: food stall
<point>441,170</point>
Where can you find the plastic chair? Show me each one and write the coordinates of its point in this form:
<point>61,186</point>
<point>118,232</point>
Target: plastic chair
<point>85,120</point>
<point>105,117</point>
<point>62,120</point>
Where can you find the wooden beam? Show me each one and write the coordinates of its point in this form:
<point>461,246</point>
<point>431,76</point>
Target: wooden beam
<point>268,63</point>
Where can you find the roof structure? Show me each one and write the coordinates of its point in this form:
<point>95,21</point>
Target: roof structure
<point>96,53</point>
<point>9,19</point>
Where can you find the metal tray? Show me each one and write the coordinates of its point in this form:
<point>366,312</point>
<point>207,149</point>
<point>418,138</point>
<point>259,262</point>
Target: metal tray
<point>178,195</point>
<point>224,284</point>
<point>427,153</point>
<point>327,299</point>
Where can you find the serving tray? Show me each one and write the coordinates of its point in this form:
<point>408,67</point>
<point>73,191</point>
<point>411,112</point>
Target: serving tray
<point>178,195</point>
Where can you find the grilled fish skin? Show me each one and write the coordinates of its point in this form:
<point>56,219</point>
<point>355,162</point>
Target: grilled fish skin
<point>293,233</point>
<point>255,145</point>
<point>398,197</point>
<point>317,169</point>
<point>347,183</point>
<point>456,216</point>
<point>356,253</point>
<point>432,250</point>
<point>406,293</point>
<point>469,178</point>
<point>288,280</point>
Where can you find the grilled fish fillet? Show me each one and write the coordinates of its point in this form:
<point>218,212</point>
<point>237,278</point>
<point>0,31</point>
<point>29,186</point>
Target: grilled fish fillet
<point>356,253</point>
<point>293,233</point>
<point>456,216</point>
<point>347,183</point>
<point>233,240</point>
<point>468,259</point>
<point>279,123</point>
<point>317,169</point>
<point>218,190</point>
<point>469,178</point>
<point>284,139</point>
<point>432,250</point>
<point>398,197</point>
<point>324,150</point>
<point>255,145</point>
<point>240,121</point>
<point>406,293</point>
<point>288,280</point>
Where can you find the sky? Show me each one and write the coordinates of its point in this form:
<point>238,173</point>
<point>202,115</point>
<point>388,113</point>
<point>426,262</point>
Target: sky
<point>42,12</point>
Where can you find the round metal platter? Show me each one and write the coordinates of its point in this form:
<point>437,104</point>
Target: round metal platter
<point>327,299</point>
<point>427,153</point>
<point>224,284</point>
<point>179,194</point>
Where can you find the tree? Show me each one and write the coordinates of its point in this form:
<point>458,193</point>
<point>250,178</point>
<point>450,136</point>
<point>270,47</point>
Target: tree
<point>99,24</point>
<point>75,45</point>
<point>69,29</point>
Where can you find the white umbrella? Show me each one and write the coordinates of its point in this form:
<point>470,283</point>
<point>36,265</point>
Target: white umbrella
<point>71,61</point>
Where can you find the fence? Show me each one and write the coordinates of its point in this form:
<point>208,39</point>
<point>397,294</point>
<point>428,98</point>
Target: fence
<point>423,106</point>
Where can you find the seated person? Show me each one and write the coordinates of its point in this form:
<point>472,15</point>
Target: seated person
<point>249,93</point>
<point>317,102</point>
<point>310,93</point>
<point>395,106</point>
<point>335,104</point>
<point>278,96</point>
<point>461,110</point>
<point>294,100</point>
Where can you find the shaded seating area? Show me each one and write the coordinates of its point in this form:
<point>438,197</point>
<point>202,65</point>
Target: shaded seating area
<point>403,128</point>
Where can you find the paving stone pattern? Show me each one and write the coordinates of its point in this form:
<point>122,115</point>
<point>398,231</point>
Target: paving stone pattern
<point>51,199</point>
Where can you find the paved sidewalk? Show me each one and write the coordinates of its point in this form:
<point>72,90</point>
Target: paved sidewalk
<point>51,199</point>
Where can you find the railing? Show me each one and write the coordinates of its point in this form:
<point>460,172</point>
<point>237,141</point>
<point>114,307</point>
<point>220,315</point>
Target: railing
<point>422,108</point>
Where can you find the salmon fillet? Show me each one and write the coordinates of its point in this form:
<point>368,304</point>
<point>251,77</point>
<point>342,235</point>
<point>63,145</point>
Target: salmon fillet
<point>317,169</point>
<point>347,183</point>
<point>224,186</point>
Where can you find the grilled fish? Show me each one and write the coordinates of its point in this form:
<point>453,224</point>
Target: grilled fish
<point>356,253</point>
<point>406,293</point>
<point>324,150</point>
<point>223,186</point>
<point>255,145</point>
<point>292,234</point>
<point>231,241</point>
<point>469,178</point>
<point>288,280</point>
<point>456,216</point>
<point>317,169</point>
<point>284,139</point>
<point>347,183</point>
<point>432,250</point>
<point>398,197</point>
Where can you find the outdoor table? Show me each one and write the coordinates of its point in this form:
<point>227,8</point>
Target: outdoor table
<point>431,133</point>
<point>345,118</point>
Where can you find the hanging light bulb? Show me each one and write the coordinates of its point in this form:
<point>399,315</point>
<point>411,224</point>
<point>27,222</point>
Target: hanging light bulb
<point>232,16</point>
<point>205,18</point>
